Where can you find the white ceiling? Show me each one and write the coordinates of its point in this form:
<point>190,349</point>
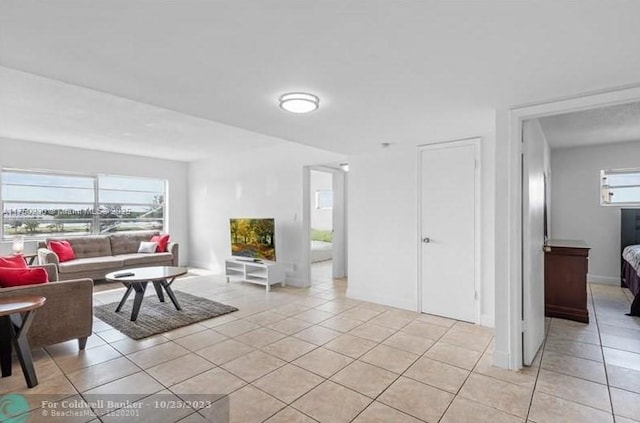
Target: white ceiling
<point>605,125</point>
<point>41,109</point>
<point>404,72</point>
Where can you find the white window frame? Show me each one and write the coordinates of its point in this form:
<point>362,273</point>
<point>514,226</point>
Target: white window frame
<point>605,193</point>
<point>95,205</point>
<point>322,198</point>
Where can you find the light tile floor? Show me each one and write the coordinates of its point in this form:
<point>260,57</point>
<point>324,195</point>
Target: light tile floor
<point>305,355</point>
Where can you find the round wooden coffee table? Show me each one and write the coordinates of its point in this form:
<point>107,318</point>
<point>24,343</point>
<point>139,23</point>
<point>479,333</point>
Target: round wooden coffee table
<point>16,316</point>
<point>137,280</point>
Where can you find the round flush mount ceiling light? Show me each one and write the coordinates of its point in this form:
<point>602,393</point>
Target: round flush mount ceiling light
<point>299,102</point>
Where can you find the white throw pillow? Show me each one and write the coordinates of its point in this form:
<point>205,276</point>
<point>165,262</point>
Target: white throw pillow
<point>147,247</point>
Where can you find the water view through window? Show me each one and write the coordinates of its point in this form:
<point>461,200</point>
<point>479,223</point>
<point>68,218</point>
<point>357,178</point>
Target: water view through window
<point>38,204</point>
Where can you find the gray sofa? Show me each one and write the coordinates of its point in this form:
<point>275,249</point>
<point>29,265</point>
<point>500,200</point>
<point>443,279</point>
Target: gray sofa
<point>97,255</point>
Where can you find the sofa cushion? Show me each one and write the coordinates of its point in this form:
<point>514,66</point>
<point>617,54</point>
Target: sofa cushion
<point>19,277</point>
<point>14,262</point>
<point>146,259</point>
<point>87,246</point>
<point>162,241</point>
<point>63,250</point>
<point>90,263</point>
<point>147,247</point>
<point>128,242</point>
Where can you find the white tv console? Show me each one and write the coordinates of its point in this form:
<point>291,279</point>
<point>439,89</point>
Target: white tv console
<point>261,272</point>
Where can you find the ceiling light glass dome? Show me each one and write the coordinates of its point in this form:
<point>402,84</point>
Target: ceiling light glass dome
<point>299,102</point>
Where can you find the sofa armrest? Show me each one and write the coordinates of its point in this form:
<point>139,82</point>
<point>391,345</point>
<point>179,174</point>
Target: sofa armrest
<point>67,313</point>
<point>47,256</point>
<point>50,268</point>
<point>174,250</point>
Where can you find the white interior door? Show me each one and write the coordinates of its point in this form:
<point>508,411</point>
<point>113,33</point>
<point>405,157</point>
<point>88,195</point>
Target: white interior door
<point>449,219</point>
<point>533,187</point>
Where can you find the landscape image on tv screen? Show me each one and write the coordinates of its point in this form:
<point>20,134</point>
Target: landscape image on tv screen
<point>253,238</point>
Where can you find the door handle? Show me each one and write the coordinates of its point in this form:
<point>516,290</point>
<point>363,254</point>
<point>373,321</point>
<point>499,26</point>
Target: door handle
<point>426,240</point>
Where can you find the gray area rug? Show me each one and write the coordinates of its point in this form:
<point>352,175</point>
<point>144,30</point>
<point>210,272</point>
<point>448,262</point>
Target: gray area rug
<point>156,317</point>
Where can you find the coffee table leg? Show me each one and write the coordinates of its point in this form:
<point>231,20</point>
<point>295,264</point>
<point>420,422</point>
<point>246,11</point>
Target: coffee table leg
<point>5,345</point>
<point>137,301</point>
<point>124,298</point>
<point>21,344</point>
<point>167,287</point>
<point>158,286</point>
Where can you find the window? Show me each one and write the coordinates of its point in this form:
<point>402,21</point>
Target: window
<point>129,204</point>
<point>324,200</point>
<point>38,204</point>
<point>620,187</point>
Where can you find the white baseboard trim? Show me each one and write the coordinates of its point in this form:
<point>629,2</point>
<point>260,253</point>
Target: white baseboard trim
<point>487,320</point>
<point>605,280</point>
<point>206,266</point>
<point>296,282</point>
<point>391,302</point>
<point>195,264</point>
<point>501,359</point>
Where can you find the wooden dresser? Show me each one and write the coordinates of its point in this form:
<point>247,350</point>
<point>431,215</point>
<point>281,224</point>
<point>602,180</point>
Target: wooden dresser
<point>565,279</point>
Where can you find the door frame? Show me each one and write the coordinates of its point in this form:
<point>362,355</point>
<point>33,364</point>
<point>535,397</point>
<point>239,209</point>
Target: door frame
<point>476,143</point>
<point>509,318</point>
<point>337,172</point>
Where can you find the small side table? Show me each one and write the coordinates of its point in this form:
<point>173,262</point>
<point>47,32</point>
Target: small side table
<point>16,316</point>
<point>30,258</point>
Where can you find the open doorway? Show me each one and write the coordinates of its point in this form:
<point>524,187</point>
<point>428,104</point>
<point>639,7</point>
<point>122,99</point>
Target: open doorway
<point>325,212</point>
<point>321,231</point>
<point>509,349</point>
<point>571,151</point>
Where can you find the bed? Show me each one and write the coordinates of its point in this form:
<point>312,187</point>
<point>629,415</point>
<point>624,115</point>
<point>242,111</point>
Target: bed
<point>630,251</point>
<point>321,251</point>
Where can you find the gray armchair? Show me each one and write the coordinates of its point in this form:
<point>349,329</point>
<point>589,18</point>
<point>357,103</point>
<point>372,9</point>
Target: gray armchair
<point>67,314</point>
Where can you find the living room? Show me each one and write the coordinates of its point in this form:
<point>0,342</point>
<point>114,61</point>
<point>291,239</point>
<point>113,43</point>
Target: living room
<point>190,94</point>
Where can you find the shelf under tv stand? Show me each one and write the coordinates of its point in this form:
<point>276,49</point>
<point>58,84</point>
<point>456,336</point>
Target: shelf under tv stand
<point>263,272</point>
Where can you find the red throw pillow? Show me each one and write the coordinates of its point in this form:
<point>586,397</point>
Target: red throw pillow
<point>15,261</point>
<point>162,241</point>
<point>63,250</point>
<point>20,277</point>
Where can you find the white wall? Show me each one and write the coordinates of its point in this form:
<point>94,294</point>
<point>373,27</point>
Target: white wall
<point>265,182</point>
<point>33,155</point>
<point>320,218</point>
<point>383,264</point>
<point>576,212</point>
<point>383,222</point>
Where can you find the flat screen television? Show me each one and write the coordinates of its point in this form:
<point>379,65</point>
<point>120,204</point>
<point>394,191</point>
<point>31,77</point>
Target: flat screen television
<point>254,238</point>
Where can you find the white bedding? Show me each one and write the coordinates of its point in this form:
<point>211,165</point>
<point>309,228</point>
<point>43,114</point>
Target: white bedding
<point>321,251</point>
<point>632,255</point>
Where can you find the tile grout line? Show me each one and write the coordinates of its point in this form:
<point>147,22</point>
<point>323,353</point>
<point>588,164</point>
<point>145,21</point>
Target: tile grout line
<point>290,404</point>
<point>333,374</point>
<point>604,361</point>
<point>353,360</point>
<point>422,355</point>
<point>463,383</point>
<point>141,370</point>
<point>401,374</point>
<point>317,347</point>
<point>535,382</point>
